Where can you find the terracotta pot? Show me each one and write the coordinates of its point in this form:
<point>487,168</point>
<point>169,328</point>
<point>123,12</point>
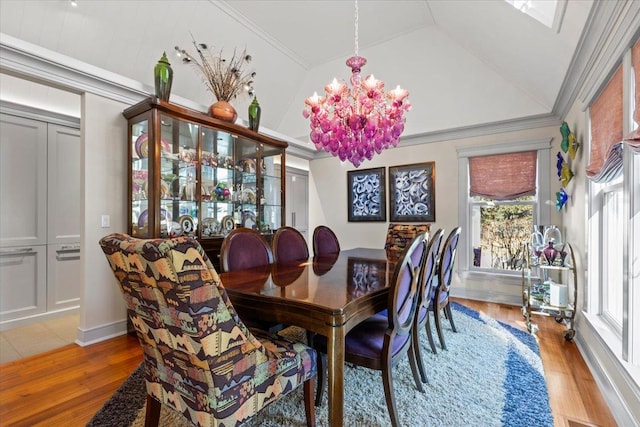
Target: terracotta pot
<point>222,110</point>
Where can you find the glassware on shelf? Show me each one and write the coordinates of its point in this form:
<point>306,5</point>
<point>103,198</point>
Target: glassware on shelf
<point>552,235</point>
<point>537,245</point>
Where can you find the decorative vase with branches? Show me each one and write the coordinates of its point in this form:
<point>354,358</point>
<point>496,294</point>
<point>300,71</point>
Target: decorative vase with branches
<point>224,77</point>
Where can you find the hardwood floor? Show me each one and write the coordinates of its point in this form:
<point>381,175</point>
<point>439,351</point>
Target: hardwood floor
<point>67,386</point>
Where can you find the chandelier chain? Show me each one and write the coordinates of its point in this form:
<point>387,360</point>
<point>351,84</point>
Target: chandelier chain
<point>356,26</point>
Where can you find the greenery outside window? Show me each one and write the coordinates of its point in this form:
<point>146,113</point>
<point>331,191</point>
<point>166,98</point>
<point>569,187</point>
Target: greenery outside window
<point>498,231</point>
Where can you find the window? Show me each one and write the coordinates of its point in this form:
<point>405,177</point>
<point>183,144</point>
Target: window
<point>612,254</point>
<point>498,231</point>
<point>501,187</point>
<point>614,208</point>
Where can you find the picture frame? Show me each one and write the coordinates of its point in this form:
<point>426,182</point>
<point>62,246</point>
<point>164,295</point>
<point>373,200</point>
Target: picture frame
<point>367,199</point>
<point>412,192</point>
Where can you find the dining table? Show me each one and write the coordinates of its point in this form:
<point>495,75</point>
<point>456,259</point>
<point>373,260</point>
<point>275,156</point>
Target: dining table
<point>326,294</point>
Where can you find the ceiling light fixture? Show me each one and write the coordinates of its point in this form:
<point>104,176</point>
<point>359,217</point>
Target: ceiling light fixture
<point>74,3</point>
<point>354,123</point>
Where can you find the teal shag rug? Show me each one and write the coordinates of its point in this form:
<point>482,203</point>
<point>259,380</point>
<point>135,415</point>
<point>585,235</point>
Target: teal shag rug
<point>490,375</point>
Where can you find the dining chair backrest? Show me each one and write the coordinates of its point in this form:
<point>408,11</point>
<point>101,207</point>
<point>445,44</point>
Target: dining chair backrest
<point>400,235</point>
<point>325,241</point>
<point>429,269</point>
<point>200,358</point>
<point>288,244</point>
<point>244,248</point>
<point>403,298</point>
<point>447,259</point>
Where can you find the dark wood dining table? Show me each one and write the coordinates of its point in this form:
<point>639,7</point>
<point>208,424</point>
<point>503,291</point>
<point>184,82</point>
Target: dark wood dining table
<point>328,294</point>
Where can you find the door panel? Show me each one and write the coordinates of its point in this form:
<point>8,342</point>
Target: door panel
<point>63,267</point>
<point>297,200</point>
<point>23,282</point>
<point>63,215</point>
<point>23,181</point>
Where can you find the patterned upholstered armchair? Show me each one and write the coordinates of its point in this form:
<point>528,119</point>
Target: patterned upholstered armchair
<point>400,235</point>
<point>200,359</point>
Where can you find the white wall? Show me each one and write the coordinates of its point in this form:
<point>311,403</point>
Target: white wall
<point>104,190</point>
<point>328,199</point>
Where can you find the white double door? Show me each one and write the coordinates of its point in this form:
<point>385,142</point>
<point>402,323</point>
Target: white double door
<point>39,219</point>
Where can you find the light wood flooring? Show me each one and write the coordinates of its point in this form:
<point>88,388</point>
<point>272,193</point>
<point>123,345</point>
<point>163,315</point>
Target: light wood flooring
<point>18,343</point>
<point>69,385</point>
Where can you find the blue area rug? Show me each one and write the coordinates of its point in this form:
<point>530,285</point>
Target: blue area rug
<point>491,375</point>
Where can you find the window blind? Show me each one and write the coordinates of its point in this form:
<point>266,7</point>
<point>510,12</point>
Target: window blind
<point>503,176</point>
<point>606,132</point>
<point>633,139</point>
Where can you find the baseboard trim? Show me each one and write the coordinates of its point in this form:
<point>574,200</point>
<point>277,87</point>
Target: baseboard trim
<point>486,296</point>
<point>101,333</point>
<point>36,318</point>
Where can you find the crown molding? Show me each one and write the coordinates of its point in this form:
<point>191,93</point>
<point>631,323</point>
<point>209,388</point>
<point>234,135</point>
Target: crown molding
<point>15,109</point>
<point>32,62</point>
<point>596,55</point>
<point>622,19</point>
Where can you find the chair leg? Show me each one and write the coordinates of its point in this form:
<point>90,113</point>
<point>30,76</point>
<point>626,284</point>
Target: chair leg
<point>430,334</point>
<point>450,317</point>
<point>417,353</point>
<point>152,415</point>
<point>436,316</point>
<point>416,370</point>
<point>389,395</point>
<point>321,378</point>
<point>309,408</point>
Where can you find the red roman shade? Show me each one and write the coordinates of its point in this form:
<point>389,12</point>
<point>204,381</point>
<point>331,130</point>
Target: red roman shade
<point>605,162</point>
<point>503,176</point>
<point>633,139</point>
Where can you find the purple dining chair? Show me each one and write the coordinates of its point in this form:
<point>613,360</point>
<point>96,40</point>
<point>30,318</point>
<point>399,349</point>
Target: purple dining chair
<point>288,244</point>
<point>440,293</point>
<point>325,241</point>
<point>427,274</point>
<point>380,341</point>
<point>244,248</point>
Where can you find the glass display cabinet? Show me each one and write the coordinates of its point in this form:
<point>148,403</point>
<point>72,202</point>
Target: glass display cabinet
<point>192,175</point>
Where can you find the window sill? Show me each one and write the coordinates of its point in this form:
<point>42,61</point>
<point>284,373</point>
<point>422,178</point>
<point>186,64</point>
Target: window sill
<point>612,341</point>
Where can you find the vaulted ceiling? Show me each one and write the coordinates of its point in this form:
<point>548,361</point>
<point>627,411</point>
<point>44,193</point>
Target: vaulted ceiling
<point>464,63</point>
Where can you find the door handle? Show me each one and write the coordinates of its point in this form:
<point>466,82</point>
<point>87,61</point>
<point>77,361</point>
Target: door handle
<point>69,248</point>
<point>16,251</point>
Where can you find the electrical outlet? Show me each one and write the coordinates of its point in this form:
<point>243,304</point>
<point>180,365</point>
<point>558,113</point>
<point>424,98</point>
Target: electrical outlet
<point>105,221</point>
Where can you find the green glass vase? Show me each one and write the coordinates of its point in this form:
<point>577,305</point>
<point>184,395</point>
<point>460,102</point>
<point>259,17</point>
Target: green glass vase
<point>163,78</point>
<point>254,115</point>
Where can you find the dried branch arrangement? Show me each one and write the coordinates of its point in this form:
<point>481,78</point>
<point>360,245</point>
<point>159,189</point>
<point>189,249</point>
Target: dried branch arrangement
<point>223,77</point>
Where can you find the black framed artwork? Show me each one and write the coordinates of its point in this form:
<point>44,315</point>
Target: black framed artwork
<point>367,198</point>
<point>412,193</point>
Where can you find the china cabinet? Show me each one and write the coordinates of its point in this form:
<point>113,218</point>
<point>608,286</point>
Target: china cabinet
<point>549,284</point>
<point>193,175</point>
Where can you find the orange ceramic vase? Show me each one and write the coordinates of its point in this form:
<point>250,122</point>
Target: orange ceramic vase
<point>222,110</point>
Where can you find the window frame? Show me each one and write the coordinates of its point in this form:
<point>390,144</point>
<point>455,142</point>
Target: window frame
<point>624,342</point>
<point>541,211</point>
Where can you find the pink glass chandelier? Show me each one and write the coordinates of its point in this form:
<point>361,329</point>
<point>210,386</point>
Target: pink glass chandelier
<point>354,123</point>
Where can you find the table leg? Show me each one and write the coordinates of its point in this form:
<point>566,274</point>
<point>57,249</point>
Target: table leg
<point>335,362</point>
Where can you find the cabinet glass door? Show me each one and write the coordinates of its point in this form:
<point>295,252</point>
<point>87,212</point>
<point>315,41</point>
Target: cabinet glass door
<point>271,197</point>
<point>217,183</point>
<point>246,207</point>
<point>178,178</point>
<point>140,168</point>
